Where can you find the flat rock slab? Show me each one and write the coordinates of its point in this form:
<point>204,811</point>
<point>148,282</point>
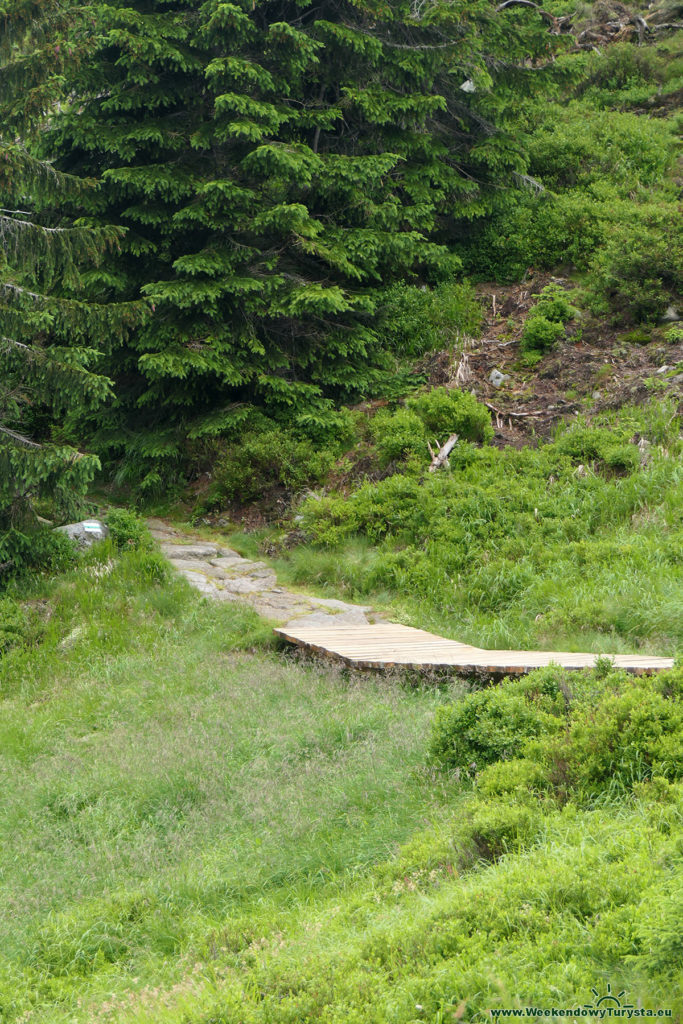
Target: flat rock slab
<point>221,574</point>
<point>181,552</point>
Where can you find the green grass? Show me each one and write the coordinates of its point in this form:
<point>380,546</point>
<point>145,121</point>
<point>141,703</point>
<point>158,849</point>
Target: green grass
<point>159,782</point>
<point>198,827</point>
<point>518,549</point>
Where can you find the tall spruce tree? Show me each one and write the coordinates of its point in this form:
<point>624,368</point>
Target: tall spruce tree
<point>46,335</point>
<point>277,162</point>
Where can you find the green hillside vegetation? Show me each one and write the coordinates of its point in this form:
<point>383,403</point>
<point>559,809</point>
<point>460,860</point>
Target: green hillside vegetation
<point>538,547</point>
<point>258,261</point>
<point>198,829</point>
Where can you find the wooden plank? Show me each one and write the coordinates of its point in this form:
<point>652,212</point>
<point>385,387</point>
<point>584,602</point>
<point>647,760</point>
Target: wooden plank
<point>387,644</point>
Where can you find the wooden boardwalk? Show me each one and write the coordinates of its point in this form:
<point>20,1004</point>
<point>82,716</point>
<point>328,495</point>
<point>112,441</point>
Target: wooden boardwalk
<point>387,644</point>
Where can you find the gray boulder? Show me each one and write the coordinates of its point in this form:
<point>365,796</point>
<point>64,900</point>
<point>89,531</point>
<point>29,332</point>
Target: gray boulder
<point>85,533</point>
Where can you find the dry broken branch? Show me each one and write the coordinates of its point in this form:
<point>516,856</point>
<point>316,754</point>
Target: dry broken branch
<point>440,456</point>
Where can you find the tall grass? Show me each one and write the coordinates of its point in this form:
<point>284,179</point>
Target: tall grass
<point>519,548</point>
<point>160,781</point>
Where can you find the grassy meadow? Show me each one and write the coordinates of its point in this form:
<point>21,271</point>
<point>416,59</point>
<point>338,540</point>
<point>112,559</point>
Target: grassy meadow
<point>198,827</point>
<point>572,545</point>
<point>162,784</point>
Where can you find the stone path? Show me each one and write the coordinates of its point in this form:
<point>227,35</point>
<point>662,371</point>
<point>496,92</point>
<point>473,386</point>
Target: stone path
<point>223,575</point>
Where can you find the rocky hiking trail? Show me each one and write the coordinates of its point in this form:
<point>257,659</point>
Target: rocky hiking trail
<point>354,634</point>
<point>222,574</point>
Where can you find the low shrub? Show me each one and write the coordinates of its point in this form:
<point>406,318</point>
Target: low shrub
<point>591,444</point>
<point>620,66</point>
<point>540,334</point>
<point>127,529</point>
<point>639,271</point>
<point>447,411</point>
<point>627,738</point>
<point>553,304</point>
<point>494,724</point>
<point>530,737</point>
<point>398,435</point>
<point>674,335</point>
<point>34,550</point>
<point>545,324</point>
<point>264,460</point>
<point>518,776</point>
<point>494,828</point>
<point>413,320</point>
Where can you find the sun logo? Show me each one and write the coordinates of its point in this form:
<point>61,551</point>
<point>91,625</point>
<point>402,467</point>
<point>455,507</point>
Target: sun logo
<point>608,999</point>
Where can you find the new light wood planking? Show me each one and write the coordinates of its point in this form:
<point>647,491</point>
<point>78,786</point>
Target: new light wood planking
<point>386,644</point>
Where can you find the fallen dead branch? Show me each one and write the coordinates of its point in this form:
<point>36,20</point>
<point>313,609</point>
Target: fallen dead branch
<point>440,456</point>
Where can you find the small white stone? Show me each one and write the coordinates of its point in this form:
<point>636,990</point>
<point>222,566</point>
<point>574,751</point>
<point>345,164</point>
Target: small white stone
<point>497,378</point>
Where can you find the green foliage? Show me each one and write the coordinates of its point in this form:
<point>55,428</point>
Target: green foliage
<point>447,411</point>
<point>631,736</point>
<point>638,336</point>
<point>398,435</point>
<point>597,444</point>
<point>36,548</point>
<point>515,548</point>
<point>545,322</point>
<point>601,192</point>
<point>553,304</point>
<point>494,724</point>
<point>496,828</point>
<point>638,271</point>
<point>127,529</point>
<point>48,371</point>
<point>674,335</point>
<point>621,67</point>
<point>263,460</point>
<point>404,433</point>
<point>12,624</point>
<point>278,171</point>
<point>531,735</point>
<point>540,334</point>
<point>414,320</point>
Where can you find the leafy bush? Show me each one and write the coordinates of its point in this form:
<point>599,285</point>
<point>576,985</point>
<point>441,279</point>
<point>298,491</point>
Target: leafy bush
<point>414,320</point>
<point>579,146</point>
<point>638,336</point>
<point>519,776</point>
<point>127,529</point>
<point>495,828</point>
<point>628,737</point>
<point>525,738</point>
<point>494,724</point>
<point>620,66</point>
<point>639,271</point>
<point>398,435</point>
<point>449,411</point>
<point>588,444</point>
<point>674,335</point>
<point>606,201</point>
<point>34,550</point>
<point>545,322</point>
<point>540,334</point>
<point>13,624</point>
<point>332,428</point>
<point>266,459</point>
